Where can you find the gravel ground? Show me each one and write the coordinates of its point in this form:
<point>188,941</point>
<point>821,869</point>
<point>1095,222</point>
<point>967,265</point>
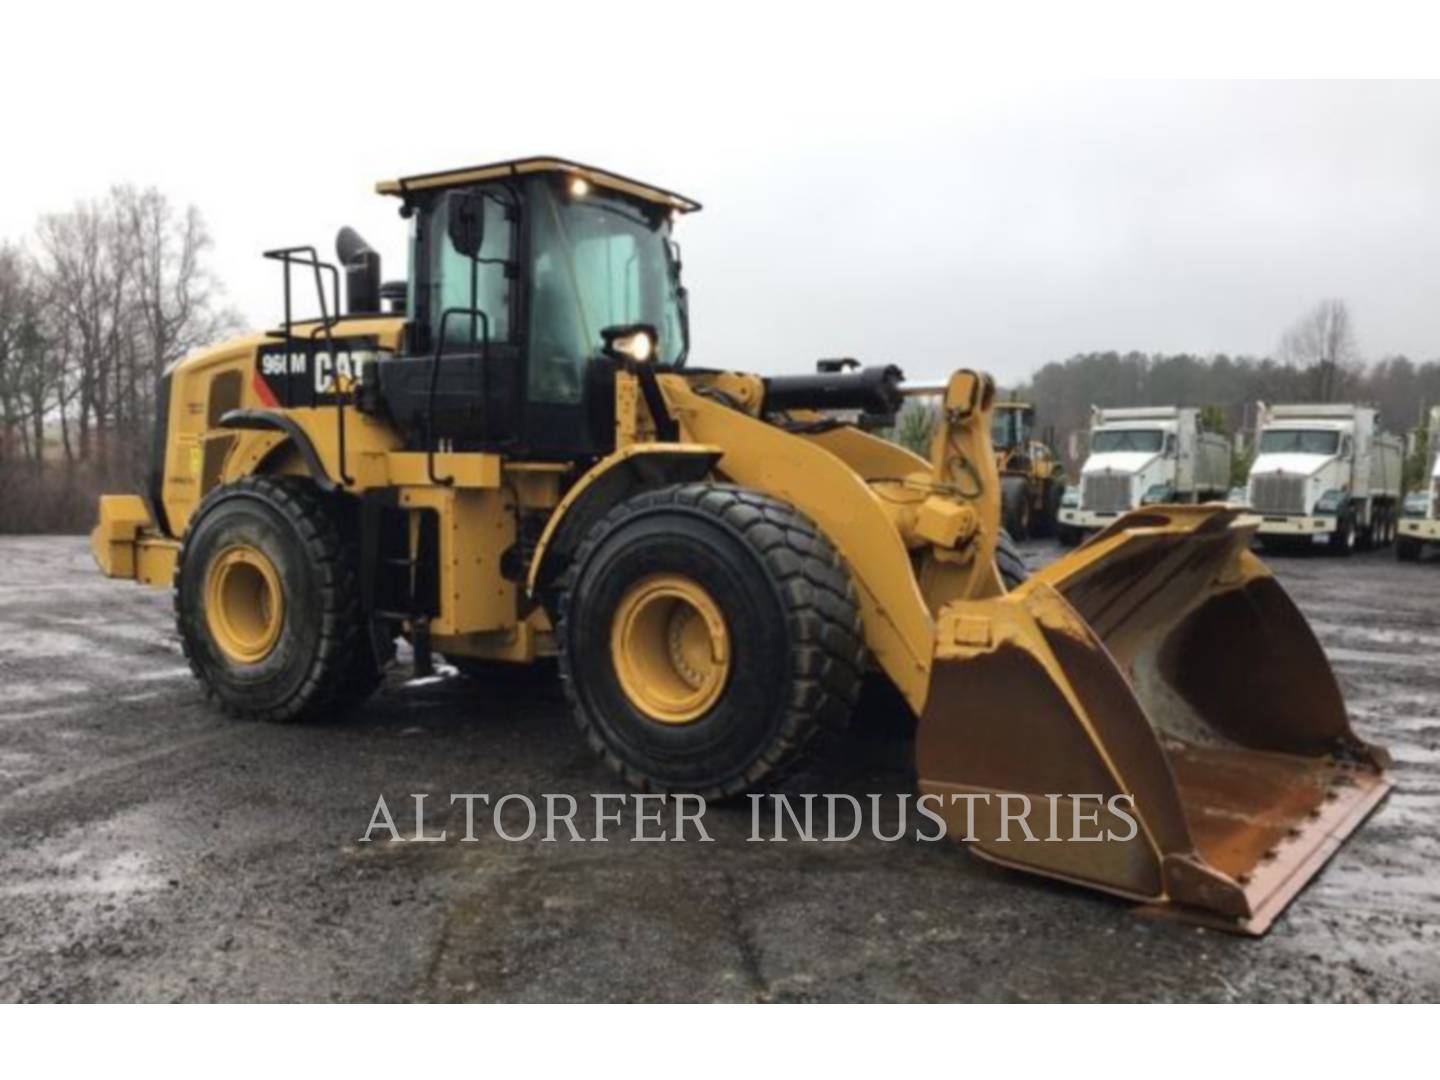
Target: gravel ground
<point>156,851</point>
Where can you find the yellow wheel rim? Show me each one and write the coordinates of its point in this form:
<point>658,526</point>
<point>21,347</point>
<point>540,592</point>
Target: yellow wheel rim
<point>244,605</point>
<point>670,648</point>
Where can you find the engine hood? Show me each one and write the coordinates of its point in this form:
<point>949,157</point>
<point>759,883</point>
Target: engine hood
<point>1128,461</point>
<point>1293,464</point>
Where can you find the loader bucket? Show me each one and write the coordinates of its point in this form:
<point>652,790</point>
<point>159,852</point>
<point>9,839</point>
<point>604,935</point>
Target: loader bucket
<point>1168,715</point>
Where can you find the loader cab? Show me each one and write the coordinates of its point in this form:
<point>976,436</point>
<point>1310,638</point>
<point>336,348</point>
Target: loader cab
<point>1011,425</point>
<point>521,276</point>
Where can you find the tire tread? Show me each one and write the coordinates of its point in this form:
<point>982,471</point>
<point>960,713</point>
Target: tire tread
<point>822,612</point>
<point>343,670</point>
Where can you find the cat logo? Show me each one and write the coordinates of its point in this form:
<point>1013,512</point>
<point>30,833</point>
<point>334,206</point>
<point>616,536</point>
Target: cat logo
<point>342,373</point>
<point>295,375</point>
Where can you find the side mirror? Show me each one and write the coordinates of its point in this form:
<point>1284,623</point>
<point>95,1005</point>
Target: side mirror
<point>465,221</point>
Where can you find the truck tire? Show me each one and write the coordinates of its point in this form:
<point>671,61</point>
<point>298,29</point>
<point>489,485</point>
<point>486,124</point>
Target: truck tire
<point>1344,539</point>
<point>707,633</point>
<point>1015,506</point>
<point>1407,549</point>
<point>267,602</point>
<point>1387,518</point>
<point>1068,535</point>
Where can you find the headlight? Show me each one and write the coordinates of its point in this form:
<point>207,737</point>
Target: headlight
<point>1331,501</point>
<point>637,343</point>
<point>1157,493</point>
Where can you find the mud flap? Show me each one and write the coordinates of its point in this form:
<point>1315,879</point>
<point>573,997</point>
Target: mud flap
<point>1168,715</point>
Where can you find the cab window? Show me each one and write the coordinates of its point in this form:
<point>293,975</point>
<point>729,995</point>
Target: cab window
<point>449,277</point>
<point>597,261</point>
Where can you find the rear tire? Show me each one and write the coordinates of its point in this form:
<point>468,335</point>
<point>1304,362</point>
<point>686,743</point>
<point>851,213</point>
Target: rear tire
<point>1371,535</point>
<point>789,639</point>
<point>310,651</point>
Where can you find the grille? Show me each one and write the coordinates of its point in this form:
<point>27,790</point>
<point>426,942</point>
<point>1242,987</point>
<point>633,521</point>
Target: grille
<point>1105,494</point>
<point>1275,493</point>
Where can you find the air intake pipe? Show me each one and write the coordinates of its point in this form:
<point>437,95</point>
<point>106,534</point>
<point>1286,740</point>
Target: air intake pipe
<point>871,390</point>
<point>362,272</point>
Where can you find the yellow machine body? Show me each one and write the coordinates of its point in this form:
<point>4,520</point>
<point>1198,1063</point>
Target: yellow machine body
<point>1160,664</point>
<point>1032,476</point>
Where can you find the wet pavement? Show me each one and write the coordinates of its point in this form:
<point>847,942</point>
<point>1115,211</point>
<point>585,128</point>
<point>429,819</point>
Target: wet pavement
<point>154,850</point>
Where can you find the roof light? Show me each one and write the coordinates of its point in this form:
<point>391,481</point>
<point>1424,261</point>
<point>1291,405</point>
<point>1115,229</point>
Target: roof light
<point>579,187</point>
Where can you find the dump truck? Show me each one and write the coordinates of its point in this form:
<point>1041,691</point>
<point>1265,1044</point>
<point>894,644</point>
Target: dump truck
<point>1032,478</point>
<point>509,456</point>
<point>1422,526</point>
<point>1141,456</point>
<point>1325,475</point>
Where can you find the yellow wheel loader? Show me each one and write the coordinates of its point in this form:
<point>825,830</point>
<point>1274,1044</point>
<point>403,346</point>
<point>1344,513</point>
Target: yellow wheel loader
<point>509,456</point>
<point>1032,480</point>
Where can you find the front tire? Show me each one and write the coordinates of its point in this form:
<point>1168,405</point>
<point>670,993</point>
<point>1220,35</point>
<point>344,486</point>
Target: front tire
<point>707,634</point>
<point>1010,562</point>
<point>1015,506</point>
<point>1045,524</point>
<point>267,602</point>
<point>1407,549</point>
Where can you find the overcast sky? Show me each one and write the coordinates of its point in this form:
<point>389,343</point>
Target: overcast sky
<point>861,198</point>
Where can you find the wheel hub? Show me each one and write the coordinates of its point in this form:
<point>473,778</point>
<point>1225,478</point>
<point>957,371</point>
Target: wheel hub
<point>244,604</point>
<point>670,648</point>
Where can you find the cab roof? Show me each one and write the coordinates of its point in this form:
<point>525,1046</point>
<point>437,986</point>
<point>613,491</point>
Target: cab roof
<point>524,166</point>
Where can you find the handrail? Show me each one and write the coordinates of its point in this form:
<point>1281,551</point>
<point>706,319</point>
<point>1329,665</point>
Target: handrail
<point>474,313</point>
<point>291,257</point>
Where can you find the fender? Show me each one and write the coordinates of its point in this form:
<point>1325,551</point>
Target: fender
<point>826,488</point>
<point>614,479</point>
<point>266,420</point>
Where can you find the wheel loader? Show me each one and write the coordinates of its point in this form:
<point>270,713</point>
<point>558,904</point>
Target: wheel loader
<point>1032,479</point>
<point>510,456</point>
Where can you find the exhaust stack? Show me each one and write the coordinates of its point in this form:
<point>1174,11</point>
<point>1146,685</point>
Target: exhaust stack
<point>362,272</point>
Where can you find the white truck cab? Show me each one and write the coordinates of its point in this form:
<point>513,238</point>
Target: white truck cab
<point>1422,526</point>
<point>1325,474</point>
<point>1140,456</point>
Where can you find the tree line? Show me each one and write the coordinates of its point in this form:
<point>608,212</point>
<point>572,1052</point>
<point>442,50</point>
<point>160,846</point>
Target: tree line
<point>93,307</point>
<point>102,297</point>
<point>1316,362</point>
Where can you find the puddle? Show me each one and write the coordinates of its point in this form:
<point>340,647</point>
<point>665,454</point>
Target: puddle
<point>1390,659</point>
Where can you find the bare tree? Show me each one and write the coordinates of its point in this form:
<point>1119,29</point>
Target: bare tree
<point>13,287</point>
<point>1323,343</point>
<point>84,276</point>
<point>109,293</point>
<point>173,293</point>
